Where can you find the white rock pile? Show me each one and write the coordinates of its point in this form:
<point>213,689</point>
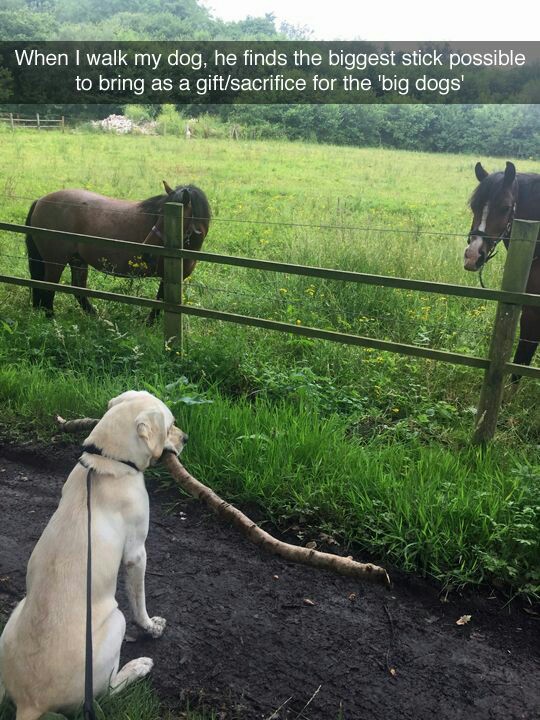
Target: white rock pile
<point>116,123</point>
<point>121,125</point>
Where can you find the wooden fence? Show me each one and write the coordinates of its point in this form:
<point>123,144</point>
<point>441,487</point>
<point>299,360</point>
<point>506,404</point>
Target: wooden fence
<point>35,121</point>
<point>510,298</point>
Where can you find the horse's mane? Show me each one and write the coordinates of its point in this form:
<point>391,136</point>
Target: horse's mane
<point>485,190</point>
<point>199,203</point>
<point>529,188</point>
<point>490,186</point>
<point>153,205</point>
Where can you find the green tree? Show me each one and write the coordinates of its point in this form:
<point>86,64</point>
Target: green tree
<point>24,24</point>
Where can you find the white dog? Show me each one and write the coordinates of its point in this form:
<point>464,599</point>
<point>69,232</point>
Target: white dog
<point>42,648</point>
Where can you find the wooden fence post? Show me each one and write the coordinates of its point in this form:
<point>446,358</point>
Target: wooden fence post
<point>37,121</point>
<point>11,121</point>
<point>173,272</point>
<point>63,123</point>
<point>516,273</point>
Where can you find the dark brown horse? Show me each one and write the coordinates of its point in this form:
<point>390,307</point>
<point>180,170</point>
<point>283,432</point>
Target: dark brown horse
<point>87,213</point>
<point>498,199</point>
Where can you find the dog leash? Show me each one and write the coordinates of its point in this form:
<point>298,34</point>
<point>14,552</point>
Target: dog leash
<point>88,707</point>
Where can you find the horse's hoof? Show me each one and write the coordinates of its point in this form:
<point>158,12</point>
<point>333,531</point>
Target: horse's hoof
<point>510,390</point>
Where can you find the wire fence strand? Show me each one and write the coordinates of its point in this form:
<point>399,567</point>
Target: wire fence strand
<point>253,221</point>
<point>302,304</point>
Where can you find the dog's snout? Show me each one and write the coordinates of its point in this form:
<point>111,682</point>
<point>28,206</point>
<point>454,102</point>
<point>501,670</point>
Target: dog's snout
<point>185,438</point>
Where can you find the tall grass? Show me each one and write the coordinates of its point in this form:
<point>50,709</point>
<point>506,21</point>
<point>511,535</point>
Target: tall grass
<point>373,446</point>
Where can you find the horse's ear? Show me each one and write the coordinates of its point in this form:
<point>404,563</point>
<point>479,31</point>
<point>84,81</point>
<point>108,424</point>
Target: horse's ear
<point>168,188</point>
<point>480,172</point>
<point>509,174</point>
<point>185,197</point>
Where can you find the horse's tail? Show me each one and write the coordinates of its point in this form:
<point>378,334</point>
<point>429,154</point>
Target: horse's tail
<point>35,261</point>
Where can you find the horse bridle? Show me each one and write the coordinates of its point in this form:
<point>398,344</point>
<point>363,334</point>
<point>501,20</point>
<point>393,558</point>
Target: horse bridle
<point>493,242</point>
<point>150,260</point>
<point>192,230</point>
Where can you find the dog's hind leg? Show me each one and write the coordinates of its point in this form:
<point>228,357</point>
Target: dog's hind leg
<point>106,673</point>
<point>132,671</point>
<point>107,659</point>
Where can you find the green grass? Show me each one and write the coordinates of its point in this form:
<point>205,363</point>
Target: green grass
<point>374,447</point>
<point>138,702</point>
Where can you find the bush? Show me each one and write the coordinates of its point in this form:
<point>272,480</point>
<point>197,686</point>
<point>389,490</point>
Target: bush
<point>208,126</point>
<point>138,113</point>
<point>170,121</point>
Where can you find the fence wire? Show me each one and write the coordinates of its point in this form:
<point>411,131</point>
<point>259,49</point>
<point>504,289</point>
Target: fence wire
<point>302,304</point>
<point>248,220</point>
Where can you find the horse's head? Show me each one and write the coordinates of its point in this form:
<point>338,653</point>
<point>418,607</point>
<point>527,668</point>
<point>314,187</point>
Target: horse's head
<point>493,204</point>
<point>196,213</point>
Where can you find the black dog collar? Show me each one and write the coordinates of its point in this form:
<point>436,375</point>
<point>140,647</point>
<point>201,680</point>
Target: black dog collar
<point>94,450</point>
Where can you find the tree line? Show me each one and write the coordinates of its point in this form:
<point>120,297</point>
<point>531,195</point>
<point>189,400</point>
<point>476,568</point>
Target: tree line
<point>130,20</point>
<point>512,130</point>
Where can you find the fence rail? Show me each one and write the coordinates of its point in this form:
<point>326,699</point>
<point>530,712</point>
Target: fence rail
<point>518,298</point>
<point>510,299</point>
<point>36,122</point>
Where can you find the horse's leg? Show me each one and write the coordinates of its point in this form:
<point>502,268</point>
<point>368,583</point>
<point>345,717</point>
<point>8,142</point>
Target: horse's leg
<point>529,337</point>
<point>79,277</point>
<point>187,270</point>
<point>151,319</point>
<point>52,273</point>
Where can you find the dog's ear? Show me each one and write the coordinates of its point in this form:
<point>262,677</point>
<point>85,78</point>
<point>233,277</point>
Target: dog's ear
<point>152,431</point>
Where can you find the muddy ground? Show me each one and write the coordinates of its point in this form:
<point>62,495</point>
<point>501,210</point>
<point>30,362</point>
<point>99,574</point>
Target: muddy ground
<point>242,637</point>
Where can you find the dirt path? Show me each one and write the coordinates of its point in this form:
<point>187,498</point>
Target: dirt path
<point>241,636</point>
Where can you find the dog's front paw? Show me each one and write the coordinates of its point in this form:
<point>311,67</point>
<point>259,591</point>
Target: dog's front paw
<point>157,626</point>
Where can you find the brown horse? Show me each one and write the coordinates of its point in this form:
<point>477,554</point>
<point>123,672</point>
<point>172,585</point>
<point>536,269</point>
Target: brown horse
<point>498,199</point>
<point>87,213</point>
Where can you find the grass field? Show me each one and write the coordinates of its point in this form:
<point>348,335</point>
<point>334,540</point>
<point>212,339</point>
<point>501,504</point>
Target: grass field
<point>373,447</point>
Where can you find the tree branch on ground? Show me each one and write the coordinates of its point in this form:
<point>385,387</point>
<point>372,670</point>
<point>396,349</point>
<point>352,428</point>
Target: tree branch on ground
<point>293,553</point>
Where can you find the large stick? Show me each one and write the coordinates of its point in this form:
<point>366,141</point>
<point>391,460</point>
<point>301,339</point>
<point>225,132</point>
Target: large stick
<point>76,426</point>
<point>305,556</point>
<point>328,561</point>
